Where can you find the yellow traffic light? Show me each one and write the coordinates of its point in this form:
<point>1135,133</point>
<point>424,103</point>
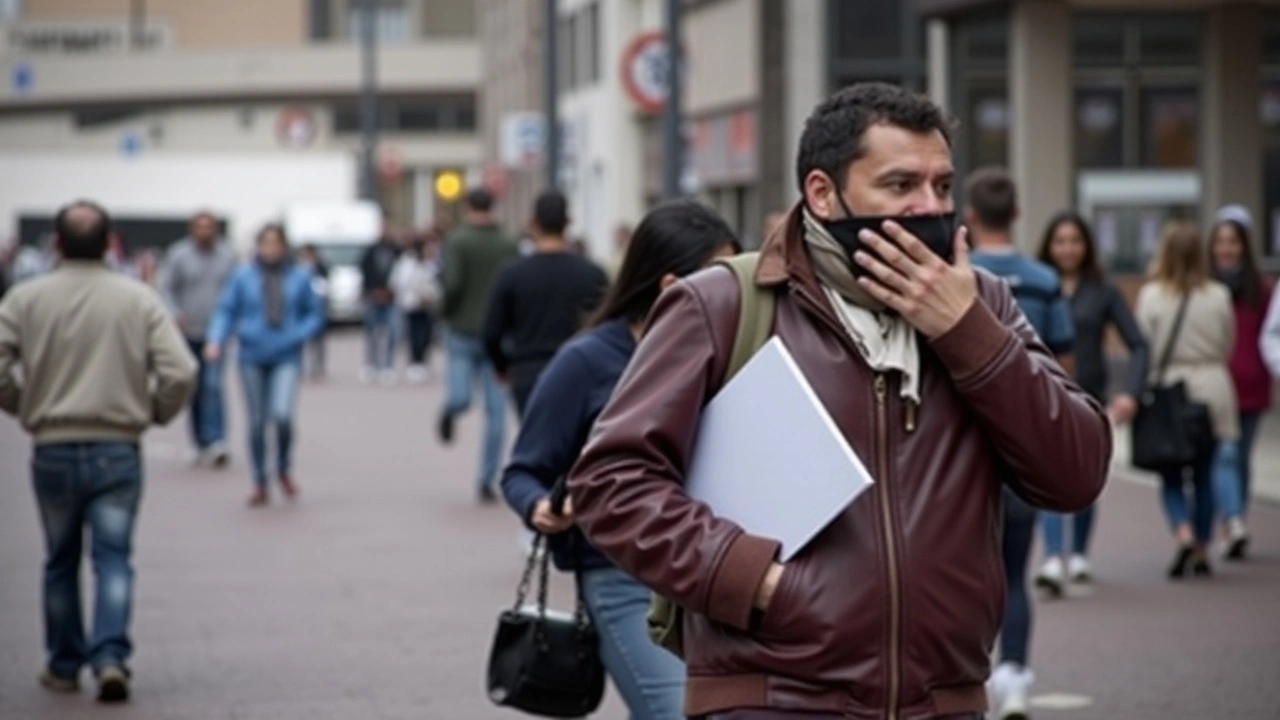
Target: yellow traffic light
<point>448,185</point>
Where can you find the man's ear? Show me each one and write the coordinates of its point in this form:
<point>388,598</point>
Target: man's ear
<point>820,195</point>
<point>969,216</point>
<point>667,281</point>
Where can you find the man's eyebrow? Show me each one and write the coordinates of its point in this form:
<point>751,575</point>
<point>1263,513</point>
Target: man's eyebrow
<point>900,174</point>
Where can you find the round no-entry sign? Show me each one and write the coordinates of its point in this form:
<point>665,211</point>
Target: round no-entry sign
<point>646,64</point>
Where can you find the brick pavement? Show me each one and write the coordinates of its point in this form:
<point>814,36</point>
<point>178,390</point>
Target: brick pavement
<point>374,597</point>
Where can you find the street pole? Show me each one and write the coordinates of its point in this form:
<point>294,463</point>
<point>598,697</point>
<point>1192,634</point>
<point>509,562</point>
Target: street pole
<point>368,102</point>
<point>672,136</point>
<point>551,92</point>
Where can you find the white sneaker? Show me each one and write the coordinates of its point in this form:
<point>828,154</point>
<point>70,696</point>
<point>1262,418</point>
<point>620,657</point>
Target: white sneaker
<point>388,378</point>
<point>1052,577</point>
<point>1237,539</point>
<point>416,374</point>
<point>1010,692</point>
<point>218,455</point>
<point>1078,569</point>
<point>367,375</point>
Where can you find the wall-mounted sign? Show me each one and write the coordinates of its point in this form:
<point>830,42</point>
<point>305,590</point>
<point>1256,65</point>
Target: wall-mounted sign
<point>646,63</point>
<point>522,141</point>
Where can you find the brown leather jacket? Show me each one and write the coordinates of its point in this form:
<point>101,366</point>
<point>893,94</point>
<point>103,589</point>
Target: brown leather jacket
<point>892,610</point>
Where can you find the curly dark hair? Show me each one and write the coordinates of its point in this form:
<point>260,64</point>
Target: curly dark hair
<point>832,138</point>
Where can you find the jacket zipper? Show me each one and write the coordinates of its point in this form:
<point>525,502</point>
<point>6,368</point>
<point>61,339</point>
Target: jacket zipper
<point>890,543</point>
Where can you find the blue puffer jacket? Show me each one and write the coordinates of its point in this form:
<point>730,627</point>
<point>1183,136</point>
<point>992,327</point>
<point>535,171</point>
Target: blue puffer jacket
<point>242,312</point>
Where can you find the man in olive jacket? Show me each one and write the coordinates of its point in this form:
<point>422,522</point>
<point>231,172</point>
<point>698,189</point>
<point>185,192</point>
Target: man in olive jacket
<point>473,255</point>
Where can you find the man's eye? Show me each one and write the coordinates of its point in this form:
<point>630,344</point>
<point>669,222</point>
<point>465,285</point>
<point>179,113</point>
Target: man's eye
<point>944,188</point>
<point>900,187</point>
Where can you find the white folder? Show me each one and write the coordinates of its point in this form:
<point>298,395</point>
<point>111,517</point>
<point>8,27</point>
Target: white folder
<point>769,457</point>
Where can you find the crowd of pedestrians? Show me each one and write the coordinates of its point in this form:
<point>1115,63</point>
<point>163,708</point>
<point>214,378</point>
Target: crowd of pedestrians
<point>964,373</point>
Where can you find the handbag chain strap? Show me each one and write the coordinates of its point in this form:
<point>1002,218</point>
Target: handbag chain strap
<point>539,559</point>
<point>1167,355</point>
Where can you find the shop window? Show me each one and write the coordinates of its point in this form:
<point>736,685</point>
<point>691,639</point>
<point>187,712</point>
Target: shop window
<point>1099,136</point>
<point>1170,127</point>
<point>390,21</point>
<point>1097,40</point>
<point>448,18</point>
<point>988,127</point>
<point>867,30</point>
<point>1169,39</point>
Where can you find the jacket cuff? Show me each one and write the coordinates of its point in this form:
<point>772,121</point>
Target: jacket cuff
<point>973,343</point>
<point>738,578</point>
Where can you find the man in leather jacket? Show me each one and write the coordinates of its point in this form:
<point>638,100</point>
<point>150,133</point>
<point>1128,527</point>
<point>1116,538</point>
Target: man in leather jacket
<point>937,382</point>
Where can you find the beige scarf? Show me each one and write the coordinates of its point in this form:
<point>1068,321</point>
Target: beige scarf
<point>885,340</point>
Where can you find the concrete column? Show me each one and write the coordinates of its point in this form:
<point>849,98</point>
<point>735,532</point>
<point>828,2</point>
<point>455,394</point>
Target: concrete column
<point>807,79</point>
<point>1231,132</point>
<point>938,62</point>
<point>1040,100</point>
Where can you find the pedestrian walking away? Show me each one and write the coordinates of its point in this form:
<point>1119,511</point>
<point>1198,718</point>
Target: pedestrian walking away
<point>101,361</point>
<point>272,310</point>
<point>671,242</point>
<point>1235,265</point>
<point>473,255</point>
<point>1190,325</point>
<point>540,301</point>
<point>381,315</point>
<point>416,281</point>
<point>194,272</point>
<point>991,212</point>
<point>1096,303</point>
<point>309,257</point>
<point>893,608</point>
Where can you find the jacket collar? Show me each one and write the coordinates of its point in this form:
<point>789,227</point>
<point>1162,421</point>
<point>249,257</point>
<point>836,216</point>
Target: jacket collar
<point>783,257</point>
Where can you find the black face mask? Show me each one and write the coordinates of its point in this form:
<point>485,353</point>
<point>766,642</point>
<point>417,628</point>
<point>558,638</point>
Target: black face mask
<point>937,232</point>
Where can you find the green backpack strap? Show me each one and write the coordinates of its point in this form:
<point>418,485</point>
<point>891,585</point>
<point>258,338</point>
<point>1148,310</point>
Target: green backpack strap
<point>755,326</point>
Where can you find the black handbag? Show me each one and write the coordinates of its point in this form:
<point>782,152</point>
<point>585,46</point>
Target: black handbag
<point>1170,430</point>
<point>545,663</point>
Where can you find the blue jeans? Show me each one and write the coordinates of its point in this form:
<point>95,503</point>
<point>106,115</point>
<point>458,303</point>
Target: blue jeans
<point>468,361</point>
<point>270,395</point>
<point>98,485</point>
<point>208,425</point>
<point>649,679</point>
<point>1018,536</point>
<point>381,335</point>
<point>1227,485</point>
<point>1173,495</point>
<point>1081,528</point>
<point>1249,422</point>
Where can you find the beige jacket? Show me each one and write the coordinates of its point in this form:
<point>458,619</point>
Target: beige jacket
<point>100,357</point>
<point>1202,350</point>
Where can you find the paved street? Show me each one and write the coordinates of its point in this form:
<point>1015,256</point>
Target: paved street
<point>375,596</point>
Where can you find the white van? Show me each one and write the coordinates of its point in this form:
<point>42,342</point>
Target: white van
<point>341,232</point>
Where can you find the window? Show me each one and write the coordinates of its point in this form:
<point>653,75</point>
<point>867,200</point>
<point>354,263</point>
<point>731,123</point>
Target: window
<point>1099,137</point>
<point>390,21</point>
<point>988,127</point>
<point>1170,127</point>
<point>321,15</point>
<point>10,10</point>
<point>571,49</point>
<point>1168,39</point>
<point>448,113</point>
<point>591,42</point>
<point>1270,112</point>
<point>1098,40</point>
<point>449,18</point>
<point>868,30</point>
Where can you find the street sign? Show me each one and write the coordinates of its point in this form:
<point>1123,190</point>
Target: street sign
<point>522,142</point>
<point>130,143</point>
<point>23,79</point>
<point>646,63</point>
<point>295,127</point>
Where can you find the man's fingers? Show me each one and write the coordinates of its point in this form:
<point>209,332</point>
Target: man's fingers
<point>885,274</point>
<point>961,248</point>
<point>887,297</point>
<point>911,245</point>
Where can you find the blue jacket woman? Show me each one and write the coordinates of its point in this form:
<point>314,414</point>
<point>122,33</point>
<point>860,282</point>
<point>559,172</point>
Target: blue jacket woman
<point>673,241</point>
<point>271,308</point>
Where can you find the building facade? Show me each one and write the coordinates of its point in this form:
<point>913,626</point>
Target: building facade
<point>243,105</point>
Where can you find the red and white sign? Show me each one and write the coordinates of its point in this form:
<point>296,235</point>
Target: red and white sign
<point>390,165</point>
<point>646,64</point>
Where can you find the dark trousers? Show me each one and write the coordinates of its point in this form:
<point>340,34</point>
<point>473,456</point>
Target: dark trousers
<point>1019,532</point>
<point>419,325</point>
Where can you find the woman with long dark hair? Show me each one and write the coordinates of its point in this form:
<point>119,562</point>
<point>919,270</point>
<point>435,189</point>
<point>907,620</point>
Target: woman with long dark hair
<point>672,241</point>
<point>270,306</point>
<point>1096,304</point>
<point>1233,263</point>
